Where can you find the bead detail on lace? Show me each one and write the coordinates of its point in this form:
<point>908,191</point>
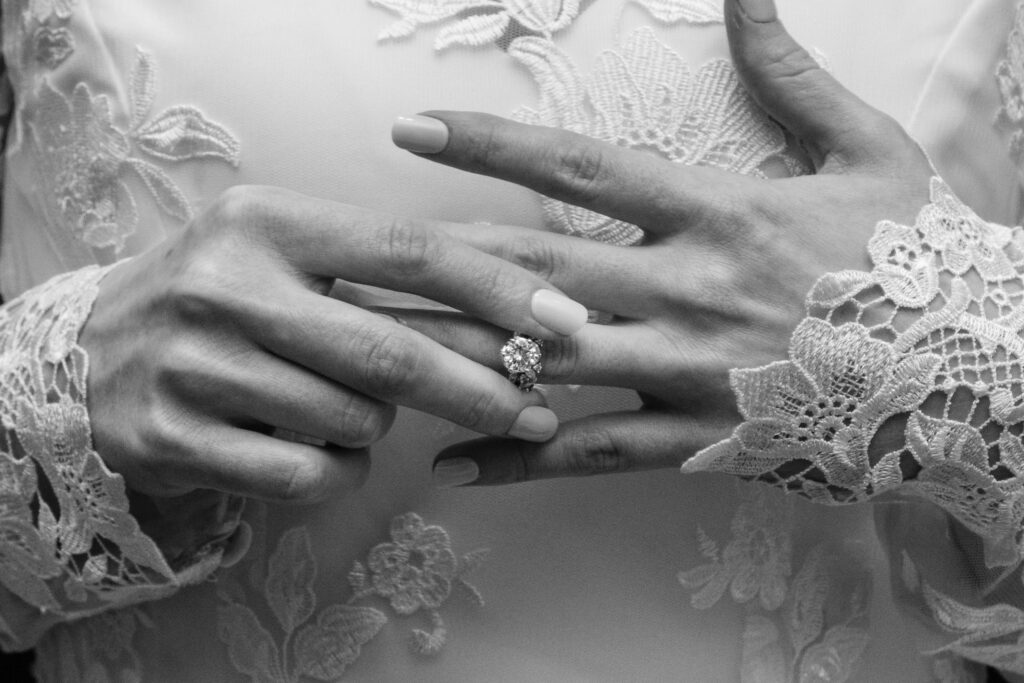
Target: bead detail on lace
<point>926,348</point>
<point>85,155</point>
<point>644,96</point>
<point>417,570</point>
<point>1010,76</point>
<point>787,636</point>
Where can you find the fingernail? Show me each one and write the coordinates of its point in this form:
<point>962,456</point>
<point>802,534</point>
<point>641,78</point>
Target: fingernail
<point>421,134</point>
<point>455,472</point>
<point>534,424</point>
<point>558,313</point>
<point>759,10</point>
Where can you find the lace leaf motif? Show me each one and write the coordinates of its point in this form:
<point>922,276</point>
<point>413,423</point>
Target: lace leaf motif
<point>415,571</point>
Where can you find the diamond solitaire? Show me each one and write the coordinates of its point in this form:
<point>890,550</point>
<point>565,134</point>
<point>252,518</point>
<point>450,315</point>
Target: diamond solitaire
<point>521,356</point>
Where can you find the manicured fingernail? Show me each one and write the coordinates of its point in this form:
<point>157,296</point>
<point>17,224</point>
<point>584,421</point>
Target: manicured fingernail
<point>237,546</point>
<point>455,472</point>
<point>759,10</point>
<point>558,313</point>
<point>421,134</point>
<point>534,424</point>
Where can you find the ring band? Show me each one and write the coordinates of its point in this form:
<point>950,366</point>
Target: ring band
<point>521,356</point>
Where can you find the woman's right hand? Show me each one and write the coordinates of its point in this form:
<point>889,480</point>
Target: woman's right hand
<point>202,346</point>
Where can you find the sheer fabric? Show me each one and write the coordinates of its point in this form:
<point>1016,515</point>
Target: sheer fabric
<point>130,116</point>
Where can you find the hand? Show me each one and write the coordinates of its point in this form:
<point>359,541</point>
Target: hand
<point>202,346</point>
<point>720,278</point>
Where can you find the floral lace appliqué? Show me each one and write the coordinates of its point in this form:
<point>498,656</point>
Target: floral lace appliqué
<point>807,627</point>
<point>416,571</point>
<point>645,96</point>
<point>1010,76</point>
<point>926,349</point>
<point>85,155</point>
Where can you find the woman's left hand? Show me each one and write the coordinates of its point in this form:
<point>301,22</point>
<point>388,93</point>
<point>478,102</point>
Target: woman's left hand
<point>720,278</point>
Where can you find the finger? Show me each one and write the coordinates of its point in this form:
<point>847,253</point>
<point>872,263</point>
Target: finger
<point>258,466</point>
<point>658,195</point>
<point>322,238</point>
<point>600,444</point>
<point>791,86</point>
<point>621,356</point>
<point>690,373</point>
<point>601,276</point>
<point>275,392</point>
<point>381,358</point>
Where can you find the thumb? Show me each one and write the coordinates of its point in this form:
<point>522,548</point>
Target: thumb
<point>833,123</point>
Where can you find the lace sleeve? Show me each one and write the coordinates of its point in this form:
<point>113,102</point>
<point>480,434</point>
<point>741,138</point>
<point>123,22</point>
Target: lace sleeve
<point>70,546</point>
<point>908,380</point>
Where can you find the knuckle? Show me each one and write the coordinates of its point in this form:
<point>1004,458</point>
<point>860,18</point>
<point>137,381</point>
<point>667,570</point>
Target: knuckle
<point>202,289</point>
<point>238,206</point>
<point>390,362</point>
<point>579,171</point>
<point>408,249</point>
<point>536,255</point>
<point>595,452</point>
<point>181,368</point>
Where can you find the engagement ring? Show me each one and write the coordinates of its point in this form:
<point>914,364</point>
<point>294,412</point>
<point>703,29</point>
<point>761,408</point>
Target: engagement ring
<point>521,356</point>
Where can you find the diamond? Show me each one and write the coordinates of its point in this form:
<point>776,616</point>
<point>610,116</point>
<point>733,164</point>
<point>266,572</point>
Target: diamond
<point>521,356</point>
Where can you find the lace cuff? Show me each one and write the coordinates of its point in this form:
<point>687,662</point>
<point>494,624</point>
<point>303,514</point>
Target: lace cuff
<point>70,546</point>
<point>907,378</point>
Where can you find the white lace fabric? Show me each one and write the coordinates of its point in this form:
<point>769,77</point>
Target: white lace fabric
<point>71,547</point>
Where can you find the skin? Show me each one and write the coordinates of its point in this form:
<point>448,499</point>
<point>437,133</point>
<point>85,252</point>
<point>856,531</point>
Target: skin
<point>203,346</point>
<point>720,277</point>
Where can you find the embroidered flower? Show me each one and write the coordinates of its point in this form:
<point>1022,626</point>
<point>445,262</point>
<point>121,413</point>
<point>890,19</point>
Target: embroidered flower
<point>963,239</point>
<point>84,155</point>
<point>818,411</point>
<point>904,267</point>
<point>417,568</point>
<point>755,564</point>
<point>477,22</point>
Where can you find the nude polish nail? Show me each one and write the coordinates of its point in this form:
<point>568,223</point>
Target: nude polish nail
<point>420,134</point>
<point>455,472</point>
<point>558,313</point>
<point>534,424</point>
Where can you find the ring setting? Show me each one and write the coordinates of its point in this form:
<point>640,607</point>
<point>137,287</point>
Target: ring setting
<point>521,355</point>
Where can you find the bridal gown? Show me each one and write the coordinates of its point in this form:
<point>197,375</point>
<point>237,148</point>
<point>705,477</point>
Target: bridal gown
<point>128,117</point>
